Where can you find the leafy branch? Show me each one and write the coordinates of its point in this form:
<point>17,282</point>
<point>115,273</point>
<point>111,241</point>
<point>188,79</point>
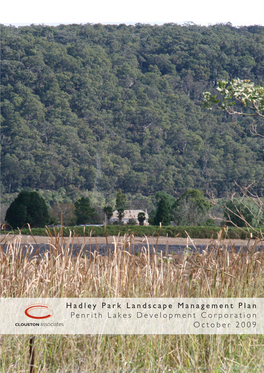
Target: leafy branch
<point>238,91</point>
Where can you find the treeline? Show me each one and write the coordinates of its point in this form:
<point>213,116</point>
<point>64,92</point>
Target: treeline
<point>29,207</point>
<point>191,209</point>
<point>97,108</point>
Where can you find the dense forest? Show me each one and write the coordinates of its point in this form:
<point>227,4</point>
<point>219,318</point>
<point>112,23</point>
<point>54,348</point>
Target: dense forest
<point>102,107</point>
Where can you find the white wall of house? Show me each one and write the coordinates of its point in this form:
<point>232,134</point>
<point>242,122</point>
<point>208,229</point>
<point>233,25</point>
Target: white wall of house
<point>129,214</point>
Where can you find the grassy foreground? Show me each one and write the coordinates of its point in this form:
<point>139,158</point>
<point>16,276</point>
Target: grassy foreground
<point>214,273</point>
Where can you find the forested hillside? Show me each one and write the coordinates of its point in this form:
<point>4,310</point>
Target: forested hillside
<point>94,107</point>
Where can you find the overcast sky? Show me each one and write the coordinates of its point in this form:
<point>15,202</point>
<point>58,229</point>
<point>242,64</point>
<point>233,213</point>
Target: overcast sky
<point>203,12</point>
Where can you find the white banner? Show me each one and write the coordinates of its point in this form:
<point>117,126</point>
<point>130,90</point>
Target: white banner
<point>132,315</point>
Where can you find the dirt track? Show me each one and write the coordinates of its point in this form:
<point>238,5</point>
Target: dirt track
<point>111,239</point>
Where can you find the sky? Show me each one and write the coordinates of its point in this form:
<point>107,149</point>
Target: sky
<point>201,12</point>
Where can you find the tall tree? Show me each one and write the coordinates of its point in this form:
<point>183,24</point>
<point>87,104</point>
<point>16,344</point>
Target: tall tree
<point>170,200</point>
<point>108,210</point>
<point>120,204</point>
<point>83,211</point>
<point>162,214</point>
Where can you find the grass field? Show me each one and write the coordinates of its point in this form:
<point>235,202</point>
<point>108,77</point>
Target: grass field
<point>214,273</point>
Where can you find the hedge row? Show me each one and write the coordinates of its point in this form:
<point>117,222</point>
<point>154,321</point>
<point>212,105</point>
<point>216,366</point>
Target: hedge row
<point>139,231</point>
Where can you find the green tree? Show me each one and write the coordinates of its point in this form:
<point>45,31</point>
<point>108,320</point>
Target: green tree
<point>132,221</point>
<point>170,200</point>
<point>162,214</point>
<point>28,207</point>
<point>141,218</point>
<point>242,213</point>
<point>83,211</point>
<point>120,204</point>
<point>238,92</point>
<point>191,208</point>
<point>108,210</point>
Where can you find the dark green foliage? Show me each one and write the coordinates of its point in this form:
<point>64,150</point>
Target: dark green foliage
<point>210,222</point>
<point>170,200</point>
<point>141,218</point>
<point>139,202</point>
<point>242,213</point>
<point>28,207</point>
<point>102,108</point>
<point>120,204</point>
<point>191,208</point>
<point>85,214</point>
<point>162,214</point>
<point>139,231</point>
<point>132,222</point>
<point>108,210</point>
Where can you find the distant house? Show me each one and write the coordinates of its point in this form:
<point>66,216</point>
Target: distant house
<point>129,214</point>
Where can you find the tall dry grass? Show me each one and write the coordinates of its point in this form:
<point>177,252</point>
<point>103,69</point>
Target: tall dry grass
<point>216,272</point>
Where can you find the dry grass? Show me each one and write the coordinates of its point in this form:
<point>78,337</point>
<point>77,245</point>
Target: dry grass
<point>216,272</point>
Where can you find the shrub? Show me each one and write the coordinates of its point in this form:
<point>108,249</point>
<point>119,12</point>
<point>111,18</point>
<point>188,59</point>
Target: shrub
<point>210,222</point>
<point>242,213</point>
<point>141,217</point>
<point>132,221</point>
<point>28,207</point>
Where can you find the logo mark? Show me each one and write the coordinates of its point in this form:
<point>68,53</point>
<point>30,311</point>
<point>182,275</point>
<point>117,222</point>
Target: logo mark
<point>48,312</point>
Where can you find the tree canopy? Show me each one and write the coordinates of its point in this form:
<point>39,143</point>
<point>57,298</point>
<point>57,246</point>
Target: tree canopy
<point>162,214</point>
<point>191,208</point>
<point>108,210</point>
<point>141,218</point>
<point>242,213</point>
<point>84,212</point>
<point>28,208</point>
<point>120,204</point>
<point>102,107</point>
